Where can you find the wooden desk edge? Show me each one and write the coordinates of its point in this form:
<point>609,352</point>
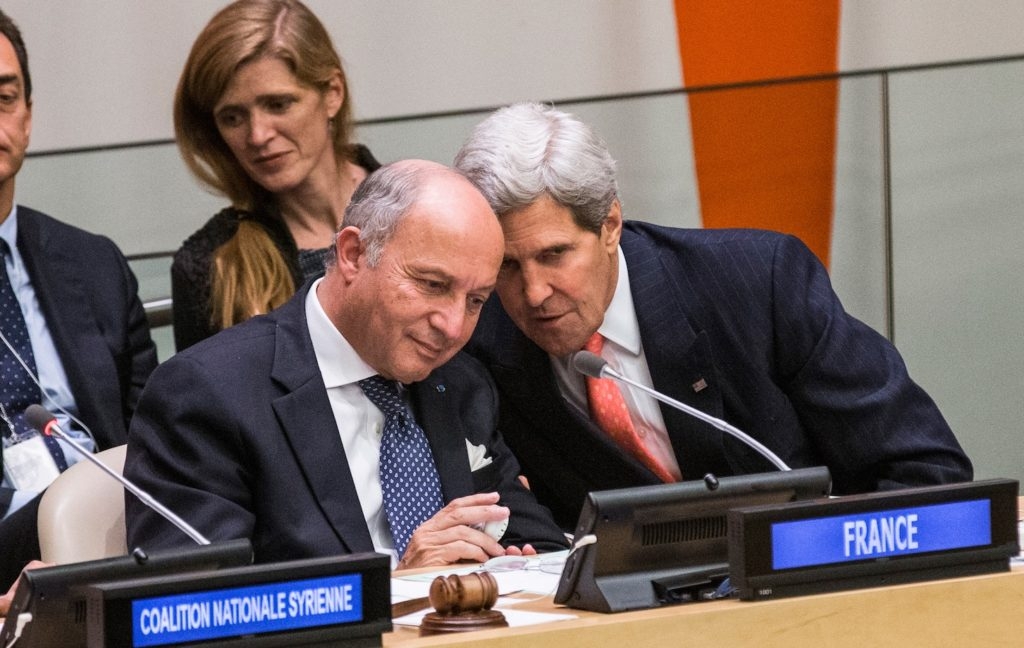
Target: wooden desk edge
<point>978,610</point>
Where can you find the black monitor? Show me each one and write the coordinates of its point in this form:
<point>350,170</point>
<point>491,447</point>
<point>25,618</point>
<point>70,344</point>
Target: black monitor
<point>55,597</point>
<point>668,543</point>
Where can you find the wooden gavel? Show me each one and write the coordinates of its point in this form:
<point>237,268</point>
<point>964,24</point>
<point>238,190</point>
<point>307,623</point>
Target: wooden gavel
<point>462,603</point>
<point>452,594</point>
<point>470,593</point>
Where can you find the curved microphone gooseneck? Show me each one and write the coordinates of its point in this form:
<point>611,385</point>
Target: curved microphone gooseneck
<point>593,365</point>
<point>42,420</point>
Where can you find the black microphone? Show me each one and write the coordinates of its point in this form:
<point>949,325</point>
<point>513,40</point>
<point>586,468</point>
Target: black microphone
<point>593,365</point>
<point>39,418</point>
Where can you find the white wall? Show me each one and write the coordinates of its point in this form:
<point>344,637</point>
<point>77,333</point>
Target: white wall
<point>105,70</point>
<point>895,33</point>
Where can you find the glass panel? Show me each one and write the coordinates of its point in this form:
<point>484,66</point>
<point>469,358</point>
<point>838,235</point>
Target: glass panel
<point>957,169</point>
<point>957,159</point>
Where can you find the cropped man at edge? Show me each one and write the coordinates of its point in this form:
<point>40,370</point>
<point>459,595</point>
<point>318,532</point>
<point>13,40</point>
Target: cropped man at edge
<point>741,324</point>
<point>74,334</point>
<point>310,429</point>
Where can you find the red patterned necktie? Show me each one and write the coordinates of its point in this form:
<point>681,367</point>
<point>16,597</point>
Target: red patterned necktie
<point>608,410</point>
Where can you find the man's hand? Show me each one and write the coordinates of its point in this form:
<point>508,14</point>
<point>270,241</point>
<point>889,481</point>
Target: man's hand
<point>449,536</point>
<point>527,550</point>
<point>5,600</point>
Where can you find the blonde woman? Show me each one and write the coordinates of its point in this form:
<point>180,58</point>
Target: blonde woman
<point>263,116</point>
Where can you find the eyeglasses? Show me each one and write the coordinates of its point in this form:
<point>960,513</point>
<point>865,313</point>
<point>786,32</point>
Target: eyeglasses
<point>547,564</point>
<point>502,564</point>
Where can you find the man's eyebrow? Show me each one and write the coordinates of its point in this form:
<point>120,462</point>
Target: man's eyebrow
<point>8,78</point>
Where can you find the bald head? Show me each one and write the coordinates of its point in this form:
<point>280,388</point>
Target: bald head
<point>417,258</point>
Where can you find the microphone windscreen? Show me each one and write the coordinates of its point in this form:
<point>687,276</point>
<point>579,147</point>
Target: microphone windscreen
<point>37,416</point>
<point>588,364</point>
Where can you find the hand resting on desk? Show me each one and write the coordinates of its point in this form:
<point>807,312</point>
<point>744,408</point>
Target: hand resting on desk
<point>449,536</point>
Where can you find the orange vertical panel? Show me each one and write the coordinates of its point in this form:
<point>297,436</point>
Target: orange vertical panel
<point>764,155</point>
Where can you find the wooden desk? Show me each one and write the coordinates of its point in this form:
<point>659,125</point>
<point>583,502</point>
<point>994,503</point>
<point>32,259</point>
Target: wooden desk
<point>976,611</point>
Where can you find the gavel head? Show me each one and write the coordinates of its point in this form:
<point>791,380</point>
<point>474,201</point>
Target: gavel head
<point>470,593</point>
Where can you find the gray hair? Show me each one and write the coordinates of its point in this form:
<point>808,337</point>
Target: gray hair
<point>527,150</point>
<point>383,199</point>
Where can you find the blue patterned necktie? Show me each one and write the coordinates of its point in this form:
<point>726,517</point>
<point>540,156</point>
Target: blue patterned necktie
<point>408,476</point>
<point>17,389</point>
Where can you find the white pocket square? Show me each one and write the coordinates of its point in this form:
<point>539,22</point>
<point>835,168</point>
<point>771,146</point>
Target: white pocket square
<point>477,456</point>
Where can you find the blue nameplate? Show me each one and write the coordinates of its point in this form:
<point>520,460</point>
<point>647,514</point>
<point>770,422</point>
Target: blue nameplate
<point>873,539</point>
<point>318,600</point>
<point>845,538</point>
<point>232,612</point>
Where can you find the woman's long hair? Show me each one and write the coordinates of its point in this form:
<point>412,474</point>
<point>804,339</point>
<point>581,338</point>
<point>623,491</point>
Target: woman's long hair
<point>249,273</point>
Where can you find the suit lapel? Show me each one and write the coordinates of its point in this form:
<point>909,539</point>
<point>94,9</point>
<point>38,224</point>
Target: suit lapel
<point>680,358</point>
<point>528,385</point>
<point>444,429</point>
<point>305,415</point>
<point>63,297</point>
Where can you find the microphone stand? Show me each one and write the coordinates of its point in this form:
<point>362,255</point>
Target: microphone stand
<point>582,361</point>
<point>51,428</point>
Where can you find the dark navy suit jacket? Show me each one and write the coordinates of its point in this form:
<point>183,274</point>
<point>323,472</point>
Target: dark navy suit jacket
<point>89,297</point>
<point>237,435</point>
<point>753,315</point>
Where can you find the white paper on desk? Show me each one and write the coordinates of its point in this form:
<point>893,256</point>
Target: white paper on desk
<point>531,580</point>
<point>526,580</point>
<point>403,589</point>
<point>515,618</point>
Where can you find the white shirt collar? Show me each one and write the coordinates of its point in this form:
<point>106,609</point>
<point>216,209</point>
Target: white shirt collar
<point>9,229</point>
<point>620,324</point>
<point>339,363</point>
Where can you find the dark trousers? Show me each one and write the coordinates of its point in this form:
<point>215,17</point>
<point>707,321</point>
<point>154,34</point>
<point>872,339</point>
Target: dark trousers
<point>19,542</point>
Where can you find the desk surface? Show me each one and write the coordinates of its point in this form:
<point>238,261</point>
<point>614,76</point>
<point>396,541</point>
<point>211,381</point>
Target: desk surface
<point>978,611</point>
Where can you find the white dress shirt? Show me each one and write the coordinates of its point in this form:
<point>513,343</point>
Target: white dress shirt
<point>624,352</point>
<point>53,381</point>
<point>359,422</point>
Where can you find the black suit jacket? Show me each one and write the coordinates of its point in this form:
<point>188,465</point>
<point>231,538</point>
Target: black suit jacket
<point>236,434</point>
<point>753,315</point>
<point>89,297</point>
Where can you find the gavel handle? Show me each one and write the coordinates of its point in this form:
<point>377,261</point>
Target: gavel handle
<point>402,608</point>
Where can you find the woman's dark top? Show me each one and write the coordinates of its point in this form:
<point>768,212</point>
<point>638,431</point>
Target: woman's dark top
<point>190,270</point>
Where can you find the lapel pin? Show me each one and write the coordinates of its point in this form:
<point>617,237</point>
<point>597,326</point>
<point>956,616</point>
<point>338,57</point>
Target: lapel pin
<point>440,389</point>
<point>700,385</point>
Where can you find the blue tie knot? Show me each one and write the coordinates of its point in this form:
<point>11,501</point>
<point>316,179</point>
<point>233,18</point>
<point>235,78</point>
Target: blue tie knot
<point>384,394</point>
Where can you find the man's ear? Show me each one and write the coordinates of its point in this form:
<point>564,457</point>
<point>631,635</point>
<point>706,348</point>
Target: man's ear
<point>611,228</point>
<point>28,121</point>
<point>349,252</point>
